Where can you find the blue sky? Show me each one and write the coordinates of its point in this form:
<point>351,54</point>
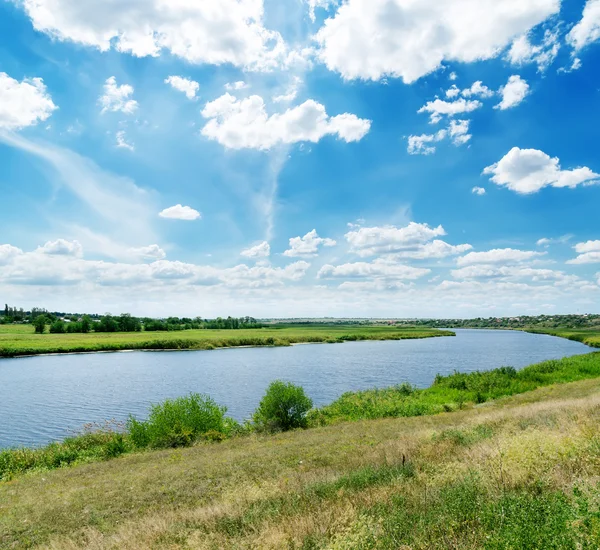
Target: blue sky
<point>301,157</point>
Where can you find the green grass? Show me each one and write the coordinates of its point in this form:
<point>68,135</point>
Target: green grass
<point>450,393</point>
<point>18,340</point>
<point>591,337</point>
<point>187,420</point>
<point>519,473</point>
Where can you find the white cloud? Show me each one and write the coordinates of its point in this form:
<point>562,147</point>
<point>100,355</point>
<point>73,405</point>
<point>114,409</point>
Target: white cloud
<point>478,191</point>
<point>434,250</point>
<point>371,241</point>
<point>240,124</point>
<point>477,89</point>
<point>588,29</point>
<point>523,51</point>
<point>291,93</point>
<point>307,246</point>
<point>459,131</point>
<point>8,253</point>
<point>122,141</point>
<point>529,170</point>
<point>227,31</point>
<point>179,212</point>
<point>438,108</point>
<point>452,92</point>
<point>452,76</point>
<point>545,242</point>
<point>421,145</point>
<point>313,4</point>
<point>589,253</point>
<point>513,93</point>
<point>117,98</point>
<point>62,247</point>
<point>376,269</point>
<point>23,103</point>
<point>498,255</point>
<point>371,39</point>
<point>151,252</point>
<point>261,250</point>
<point>234,86</point>
<point>514,273</point>
<point>188,87</point>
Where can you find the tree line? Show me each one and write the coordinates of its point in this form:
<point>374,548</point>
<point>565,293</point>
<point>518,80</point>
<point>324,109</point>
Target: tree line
<point>61,323</point>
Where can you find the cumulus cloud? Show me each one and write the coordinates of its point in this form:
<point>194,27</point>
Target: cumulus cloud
<point>8,253</point>
<point>588,28</point>
<point>514,273</point>
<point>62,247</point>
<point>188,87</point>
<point>234,86</point>
<point>23,103</point>
<point>117,98</point>
<point>227,31</point>
<point>371,39</point>
<point>291,93</point>
<point>376,269</point>
<point>527,171</point>
<point>245,124</point>
<point>422,145</point>
<point>522,51</point>
<point>151,252</point>
<point>439,108</point>
<point>179,212</point>
<point>478,191</point>
<point>122,142</point>
<point>458,132</point>
<point>261,250</point>
<point>589,253</point>
<point>42,268</point>
<point>307,246</point>
<point>477,89</point>
<point>498,255</point>
<point>513,93</point>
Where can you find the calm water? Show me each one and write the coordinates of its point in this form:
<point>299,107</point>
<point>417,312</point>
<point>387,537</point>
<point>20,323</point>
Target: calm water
<point>43,398</point>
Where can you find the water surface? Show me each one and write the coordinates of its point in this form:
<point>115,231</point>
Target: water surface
<point>44,398</point>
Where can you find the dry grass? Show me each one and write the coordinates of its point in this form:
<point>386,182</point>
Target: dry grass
<point>334,487</point>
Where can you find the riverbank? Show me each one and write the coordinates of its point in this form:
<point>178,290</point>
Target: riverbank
<point>590,337</point>
<point>519,472</point>
<point>19,340</point>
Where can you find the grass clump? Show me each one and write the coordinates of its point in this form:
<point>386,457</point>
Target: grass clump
<point>284,407</point>
<point>455,391</point>
<point>180,422</point>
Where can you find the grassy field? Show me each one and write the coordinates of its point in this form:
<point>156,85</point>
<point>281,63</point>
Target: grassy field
<point>517,473</point>
<point>591,337</point>
<point>18,340</point>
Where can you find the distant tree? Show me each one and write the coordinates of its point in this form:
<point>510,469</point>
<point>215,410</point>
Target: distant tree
<point>58,327</point>
<point>86,324</point>
<point>39,324</point>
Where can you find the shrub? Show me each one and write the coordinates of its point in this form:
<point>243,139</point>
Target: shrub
<point>284,407</point>
<point>179,422</point>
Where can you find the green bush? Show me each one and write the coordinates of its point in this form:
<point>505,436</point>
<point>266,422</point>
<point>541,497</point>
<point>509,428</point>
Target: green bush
<point>179,422</point>
<point>284,407</point>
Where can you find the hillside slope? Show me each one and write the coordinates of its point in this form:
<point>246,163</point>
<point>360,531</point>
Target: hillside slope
<point>520,472</point>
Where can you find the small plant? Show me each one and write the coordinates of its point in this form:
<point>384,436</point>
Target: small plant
<point>284,407</point>
<point>179,422</point>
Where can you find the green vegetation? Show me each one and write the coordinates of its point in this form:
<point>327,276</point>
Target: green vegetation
<point>590,337</point>
<point>17,340</point>
<point>449,393</point>
<point>585,321</point>
<point>179,422</point>
<point>284,407</point>
<point>187,420</point>
<point>517,473</point>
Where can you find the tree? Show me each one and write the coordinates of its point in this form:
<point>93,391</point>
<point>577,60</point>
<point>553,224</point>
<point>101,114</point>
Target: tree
<point>284,407</point>
<point>86,324</point>
<point>39,324</point>
<point>58,327</point>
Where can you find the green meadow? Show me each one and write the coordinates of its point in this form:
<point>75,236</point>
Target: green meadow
<point>18,340</point>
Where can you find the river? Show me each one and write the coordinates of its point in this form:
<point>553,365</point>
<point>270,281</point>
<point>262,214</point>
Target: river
<point>45,398</point>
